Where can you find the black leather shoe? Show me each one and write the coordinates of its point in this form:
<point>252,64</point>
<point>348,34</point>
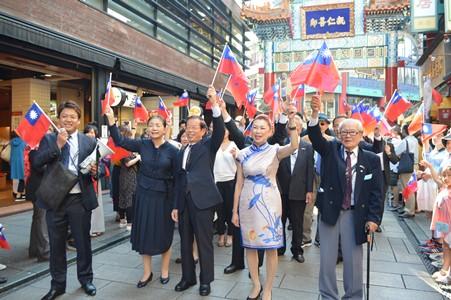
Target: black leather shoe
<point>204,289</point>
<point>164,280</point>
<point>280,251</point>
<point>232,269</point>
<point>299,258</point>
<point>142,284</point>
<point>52,294</point>
<point>178,260</point>
<point>258,296</point>
<point>183,285</point>
<point>379,229</point>
<point>3,280</point>
<point>90,289</point>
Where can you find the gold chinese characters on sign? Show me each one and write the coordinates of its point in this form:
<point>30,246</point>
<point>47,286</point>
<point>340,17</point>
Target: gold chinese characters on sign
<point>327,21</point>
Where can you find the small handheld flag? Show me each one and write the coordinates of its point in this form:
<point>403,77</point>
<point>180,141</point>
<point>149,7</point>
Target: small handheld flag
<point>34,126</point>
<point>396,106</point>
<point>3,242</point>
<point>140,112</point>
<point>411,187</point>
<point>183,100</point>
<point>109,97</point>
<point>163,110</point>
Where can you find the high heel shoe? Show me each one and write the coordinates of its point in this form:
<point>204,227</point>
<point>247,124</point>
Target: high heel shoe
<point>142,284</point>
<point>258,296</point>
<point>164,280</point>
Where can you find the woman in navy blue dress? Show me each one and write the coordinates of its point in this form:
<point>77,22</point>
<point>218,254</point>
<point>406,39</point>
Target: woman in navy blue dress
<point>152,228</point>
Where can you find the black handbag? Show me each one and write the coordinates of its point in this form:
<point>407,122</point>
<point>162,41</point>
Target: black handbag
<point>406,161</point>
<point>55,185</point>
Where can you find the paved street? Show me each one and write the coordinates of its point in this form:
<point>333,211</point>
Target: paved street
<point>396,273</point>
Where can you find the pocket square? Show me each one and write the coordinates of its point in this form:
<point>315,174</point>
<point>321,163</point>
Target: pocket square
<point>368,177</point>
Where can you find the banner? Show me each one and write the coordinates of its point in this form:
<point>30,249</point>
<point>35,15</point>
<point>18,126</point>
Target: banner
<point>423,15</point>
<point>327,21</point>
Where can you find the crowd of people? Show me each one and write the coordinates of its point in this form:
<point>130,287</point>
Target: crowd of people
<point>249,190</point>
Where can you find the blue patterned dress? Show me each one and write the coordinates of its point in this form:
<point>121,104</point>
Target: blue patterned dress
<point>260,206</point>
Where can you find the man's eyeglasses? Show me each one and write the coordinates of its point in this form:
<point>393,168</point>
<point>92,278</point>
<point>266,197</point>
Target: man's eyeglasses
<point>349,132</point>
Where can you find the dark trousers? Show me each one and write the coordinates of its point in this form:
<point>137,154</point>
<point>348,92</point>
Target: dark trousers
<point>224,210</point>
<point>126,213</point>
<point>194,222</point>
<point>39,239</point>
<point>73,214</point>
<point>294,211</point>
<point>238,250</point>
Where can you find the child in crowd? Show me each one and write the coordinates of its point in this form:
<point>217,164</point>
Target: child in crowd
<point>441,219</point>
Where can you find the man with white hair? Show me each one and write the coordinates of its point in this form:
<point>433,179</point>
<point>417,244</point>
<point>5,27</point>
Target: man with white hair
<point>349,200</point>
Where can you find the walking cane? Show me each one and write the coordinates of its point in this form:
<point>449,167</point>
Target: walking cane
<point>368,250</point>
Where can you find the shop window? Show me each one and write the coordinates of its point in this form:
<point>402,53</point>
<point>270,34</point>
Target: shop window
<point>171,24</point>
<point>132,19</point>
<point>170,40</point>
<point>200,56</point>
<point>94,3</point>
<point>200,42</point>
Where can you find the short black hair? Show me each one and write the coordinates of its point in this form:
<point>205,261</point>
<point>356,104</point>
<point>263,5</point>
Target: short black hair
<point>182,121</point>
<point>90,127</point>
<point>71,105</point>
<point>157,117</point>
<point>179,135</point>
<point>339,117</point>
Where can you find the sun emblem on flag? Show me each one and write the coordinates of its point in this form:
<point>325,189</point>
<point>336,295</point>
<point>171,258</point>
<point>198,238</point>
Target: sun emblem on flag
<point>33,114</point>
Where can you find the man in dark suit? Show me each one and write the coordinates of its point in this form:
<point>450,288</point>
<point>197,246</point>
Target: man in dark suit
<point>197,197</point>
<point>349,201</point>
<point>71,148</point>
<point>295,179</point>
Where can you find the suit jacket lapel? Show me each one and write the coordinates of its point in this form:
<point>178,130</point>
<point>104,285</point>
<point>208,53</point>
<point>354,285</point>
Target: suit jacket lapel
<point>298,162</point>
<point>197,151</point>
<point>359,176</point>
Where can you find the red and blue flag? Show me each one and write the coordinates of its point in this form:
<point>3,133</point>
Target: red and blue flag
<point>396,106</point>
<point>140,112</point>
<point>299,75</point>
<point>272,98</point>
<point>163,110</point>
<point>183,100</point>
<point>109,97</point>
<point>248,130</point>
<point>430,130</point>
<point>323,73</point>
<point>3,241</point>
<point>34,126</point>
<point>250,104</point>
<point>411,187</point>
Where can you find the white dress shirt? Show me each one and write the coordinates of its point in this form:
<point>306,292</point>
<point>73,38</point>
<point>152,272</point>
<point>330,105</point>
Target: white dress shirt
<point>73,159</point>
<point>293,158</point>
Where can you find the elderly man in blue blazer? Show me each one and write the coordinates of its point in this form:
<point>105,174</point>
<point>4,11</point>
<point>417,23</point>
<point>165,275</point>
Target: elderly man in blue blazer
<point>350,202</point>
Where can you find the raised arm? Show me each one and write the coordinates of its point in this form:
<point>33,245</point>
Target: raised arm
<point>121,141</point>
<point>234,133</point>
<point>319,143</point>
<point>218,124</point>
<point>285,151</point>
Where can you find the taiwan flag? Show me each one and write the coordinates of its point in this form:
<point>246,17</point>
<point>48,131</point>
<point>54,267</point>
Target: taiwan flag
<point>272,97</point>
<point>109,97</point>
<point>385,126</point>
<point>119,152</point>
<point>323,73</point>
<point>163,110</point>
<point>229,64</point>
<point>140,112</point>
<point>417,121</point>
<point>430,130</point>
<point>396,106</point>
<point>296,96</point>
<point>248,130</point>
<point>183,100</point>
<point>250,104</point>
<point>34,126</point>
<point>375,117</point>
<point>411,187</point>
<point>3,242</point>
<point>239,90</point>
<point>437,97</point>
<point>299,75</point>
